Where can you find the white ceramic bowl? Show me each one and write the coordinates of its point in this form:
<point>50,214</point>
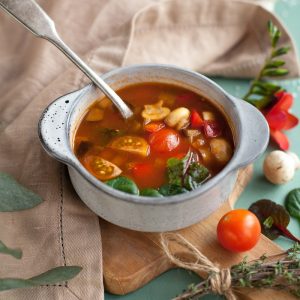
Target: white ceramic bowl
<point>60,120</point>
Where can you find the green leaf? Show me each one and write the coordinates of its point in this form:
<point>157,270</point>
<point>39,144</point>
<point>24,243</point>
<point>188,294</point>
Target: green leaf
<point>150,193</point>
<point>274,33</point>
<point>259,91</point>
<point>260,103</point>
<point>52,276</point>
<point>171,190</point>
<point>280,51</point>
<point>14,197</point>
<point>186,172</point>
<point>123,184</point>
<point>17,253</point>
<point>107,134</point>
<point>275,72</point>
<point>272,88</point>
<point>175,170</point>
<point>195,176</point>
<point>275,64</point>
<point>292,203</point>
<point>55,275</point>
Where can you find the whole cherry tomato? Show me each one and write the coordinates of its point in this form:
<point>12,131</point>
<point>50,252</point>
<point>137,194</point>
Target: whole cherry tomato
<point>164,140</point>
<point>239,230</point>
<point>146,174</point>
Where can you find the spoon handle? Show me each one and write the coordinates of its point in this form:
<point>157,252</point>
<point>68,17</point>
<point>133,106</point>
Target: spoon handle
<point>30,14</point>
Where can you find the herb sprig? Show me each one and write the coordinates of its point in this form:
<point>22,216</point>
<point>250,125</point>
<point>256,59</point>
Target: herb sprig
<point>261,92</point>
<point>281,272</point>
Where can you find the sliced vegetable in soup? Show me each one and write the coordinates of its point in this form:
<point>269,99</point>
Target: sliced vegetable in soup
<point>175,141</point>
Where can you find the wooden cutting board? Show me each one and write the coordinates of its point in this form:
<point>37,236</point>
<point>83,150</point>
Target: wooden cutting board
<point>131,258</point>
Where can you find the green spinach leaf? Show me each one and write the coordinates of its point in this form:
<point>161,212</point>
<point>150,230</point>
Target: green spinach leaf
<point>292,203</point>
<point>171,190</point>
<point>123,184</point>
<point>150,193</point>
<point>195,176</point>
<point>107,134</point>
<point>14,197</point>
<point>186,172</point>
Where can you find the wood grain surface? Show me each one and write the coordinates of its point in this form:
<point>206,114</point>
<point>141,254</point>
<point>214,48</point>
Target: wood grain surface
<point>131,259</point>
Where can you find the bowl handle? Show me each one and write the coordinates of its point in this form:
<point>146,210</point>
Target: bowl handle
<point>255,134</point>
<point>53,128</point>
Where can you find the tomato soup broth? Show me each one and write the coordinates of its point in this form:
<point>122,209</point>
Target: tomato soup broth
<point>176,140</point>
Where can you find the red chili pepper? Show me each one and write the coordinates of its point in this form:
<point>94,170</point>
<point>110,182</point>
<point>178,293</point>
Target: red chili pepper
<point>212,129</point>
<point>196,120</point>
<point>284,102</point>
<point>281,139</point>
<point>279,119</point>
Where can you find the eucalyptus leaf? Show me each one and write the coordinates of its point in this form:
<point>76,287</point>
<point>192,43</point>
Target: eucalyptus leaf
<point>52,276</point>
<point>17,253</point>
<point>15,197</point>
<point>292,203</point>
<point>123,184</point>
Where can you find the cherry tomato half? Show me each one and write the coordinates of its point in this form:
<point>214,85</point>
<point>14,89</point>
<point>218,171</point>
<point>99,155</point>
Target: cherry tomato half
<point>101,168</point>
<point>239,230</point>
<point>164,140</point>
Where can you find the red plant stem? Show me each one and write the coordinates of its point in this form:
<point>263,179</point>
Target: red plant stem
<point>285,232</point>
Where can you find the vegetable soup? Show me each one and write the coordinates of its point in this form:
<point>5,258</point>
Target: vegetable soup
<point>175,141</point>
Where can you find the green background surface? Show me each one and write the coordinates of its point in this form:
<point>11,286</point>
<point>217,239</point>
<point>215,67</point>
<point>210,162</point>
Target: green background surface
<point>173,282</point>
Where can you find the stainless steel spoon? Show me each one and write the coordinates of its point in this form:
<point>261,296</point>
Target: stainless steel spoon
<point>30,14</point>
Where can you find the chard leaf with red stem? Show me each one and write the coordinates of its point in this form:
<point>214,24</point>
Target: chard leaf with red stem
<point>273,219</point>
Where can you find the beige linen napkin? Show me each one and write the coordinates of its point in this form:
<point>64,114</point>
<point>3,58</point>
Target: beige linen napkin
<point>215,37</point>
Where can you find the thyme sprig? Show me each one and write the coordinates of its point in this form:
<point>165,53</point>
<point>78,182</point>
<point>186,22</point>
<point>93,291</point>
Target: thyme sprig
<point>280,272</point>
<point>261,92</point>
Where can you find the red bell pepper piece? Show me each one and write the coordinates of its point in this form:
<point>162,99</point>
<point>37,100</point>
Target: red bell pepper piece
<point>154,126</point>
<point>196,120</point>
